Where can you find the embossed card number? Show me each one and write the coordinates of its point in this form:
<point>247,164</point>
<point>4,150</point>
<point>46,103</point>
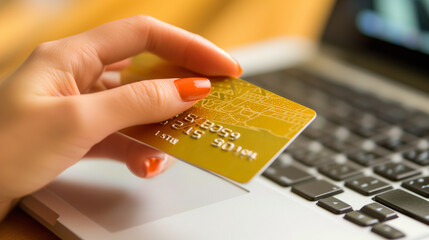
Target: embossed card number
<point>196,127</point>
<point>234,132</point>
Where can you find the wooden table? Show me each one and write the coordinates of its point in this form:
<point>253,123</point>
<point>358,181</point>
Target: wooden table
<point>226,23</point>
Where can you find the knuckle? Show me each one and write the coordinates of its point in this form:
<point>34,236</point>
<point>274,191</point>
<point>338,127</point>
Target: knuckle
<point>68,53</point>
<point>143,18</point>
<point>142,25</point>
<point>150,94</point>
<point>141,22</point>
<point>85,57</point>
<point>46,49</point>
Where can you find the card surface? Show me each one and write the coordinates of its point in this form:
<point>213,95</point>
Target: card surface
<point>234,132</point>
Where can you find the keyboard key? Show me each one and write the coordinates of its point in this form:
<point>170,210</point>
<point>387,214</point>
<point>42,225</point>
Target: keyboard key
<point>395,143</point>
<point>387,231</point>
<point>321,123</point>
<point>286,175</point>
<point>378,211</point>
<point>405,203</point>
<point>418,185</point>
<point>360,219</point>
<point>419,156</point>
<point>315,190</point>
<point>364,131</point>
<point>337,144</point>
<point>393,113</point>
<point>368,129</point>
<point>367,120</point>
<point>313,158</point>
<point>417,125</point>
<point>338,117</point>
<point>368,158</point>
<point>299,143</point>
<point>395,171</point>
<point>338,171</point>
<point>340,133</point>
<point>368,185</point>
<point>334,205</point>
<point>365,101</point>
<point>419,131</point>
<point>313,133</point>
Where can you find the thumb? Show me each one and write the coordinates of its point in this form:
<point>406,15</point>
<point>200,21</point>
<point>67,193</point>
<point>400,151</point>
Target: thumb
<point>138,103</point>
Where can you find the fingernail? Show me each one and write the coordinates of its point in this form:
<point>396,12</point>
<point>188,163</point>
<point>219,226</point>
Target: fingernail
<point>240,70</point>
<point>154,166</point>
<point>191,89</point>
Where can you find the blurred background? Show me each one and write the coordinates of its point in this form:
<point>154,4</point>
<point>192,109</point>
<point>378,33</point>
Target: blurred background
<point>228,23</point>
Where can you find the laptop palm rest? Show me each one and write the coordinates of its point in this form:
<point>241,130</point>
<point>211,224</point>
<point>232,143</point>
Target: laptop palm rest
<point>108,194</point>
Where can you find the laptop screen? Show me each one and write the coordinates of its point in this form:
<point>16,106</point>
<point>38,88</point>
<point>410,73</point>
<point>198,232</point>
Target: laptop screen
<point>390,37</point>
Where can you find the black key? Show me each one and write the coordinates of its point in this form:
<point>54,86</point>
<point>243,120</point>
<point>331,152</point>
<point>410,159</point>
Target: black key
<point>395,171</point>
<point>364,131</point>
<point>387,231</point>
<point>393,113</point>
<point>396,143</point>
<point>337,144</point>
<point>321,123</point>
<point>313,133</point>
<point>360,218</point>
<point>368,130</point>
<point>368,158</point>
<point>418,185</point>
<point>417,125</point>
<point>364,101</point>
<point>419,156</point>
<point>334,205</point>
<point>378,211</point>
<point>338,118</point>
<point>338,171</point>
<point>405,203</point>
<point>419,131</point>
<point>286,175</point>
<point>313,159</point>
<point>315,190</point>
<point>300,143</point>
<point>365,119</point>
<point>368,185</point>
<point>338,111</point>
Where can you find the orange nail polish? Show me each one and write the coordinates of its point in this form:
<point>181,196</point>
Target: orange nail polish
<point>154,166</point>
<point>240,70</point>
<point>191,89</point>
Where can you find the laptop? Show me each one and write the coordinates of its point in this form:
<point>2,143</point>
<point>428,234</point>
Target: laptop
<point>360,171</point>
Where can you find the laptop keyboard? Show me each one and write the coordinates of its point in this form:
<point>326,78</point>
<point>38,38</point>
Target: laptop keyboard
<point>359,143</point>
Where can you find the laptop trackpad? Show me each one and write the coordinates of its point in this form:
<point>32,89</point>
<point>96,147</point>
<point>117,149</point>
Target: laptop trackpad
<point>106,192</point>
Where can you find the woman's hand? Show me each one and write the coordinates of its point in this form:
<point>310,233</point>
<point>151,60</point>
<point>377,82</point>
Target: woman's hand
<point>49,119</point>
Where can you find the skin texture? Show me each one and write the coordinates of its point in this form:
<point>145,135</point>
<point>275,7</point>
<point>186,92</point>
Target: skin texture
<point>51,117</point>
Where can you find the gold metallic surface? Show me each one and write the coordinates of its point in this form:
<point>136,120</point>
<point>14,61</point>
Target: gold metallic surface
<point>234,132</point>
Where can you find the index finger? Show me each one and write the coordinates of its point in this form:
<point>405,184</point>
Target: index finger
<point>124,38</point>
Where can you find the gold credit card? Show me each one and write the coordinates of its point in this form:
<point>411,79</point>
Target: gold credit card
<point>234,132</point>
